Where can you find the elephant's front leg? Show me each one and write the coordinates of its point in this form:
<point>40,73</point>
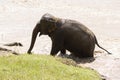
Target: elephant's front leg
<point>56,47</point>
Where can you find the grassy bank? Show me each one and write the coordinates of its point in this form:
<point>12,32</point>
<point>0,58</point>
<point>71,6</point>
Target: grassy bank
<point>41,67</point>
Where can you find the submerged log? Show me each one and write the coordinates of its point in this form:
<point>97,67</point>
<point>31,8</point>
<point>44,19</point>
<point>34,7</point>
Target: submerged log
<point>8,50</point>
<point>14,44</point>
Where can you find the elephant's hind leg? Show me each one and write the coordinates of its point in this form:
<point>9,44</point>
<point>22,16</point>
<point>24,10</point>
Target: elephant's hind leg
<point>83,55</point>
<point>63,51</point>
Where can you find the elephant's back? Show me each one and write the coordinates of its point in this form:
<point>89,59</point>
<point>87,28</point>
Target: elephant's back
<point>77,36</point>
<point>73,28</point>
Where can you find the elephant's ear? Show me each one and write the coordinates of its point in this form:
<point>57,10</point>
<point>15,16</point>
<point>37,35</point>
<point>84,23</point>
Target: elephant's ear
<point>54,24</point>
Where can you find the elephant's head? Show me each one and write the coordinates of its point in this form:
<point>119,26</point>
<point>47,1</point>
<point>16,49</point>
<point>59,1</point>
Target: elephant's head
<point>45,26</point>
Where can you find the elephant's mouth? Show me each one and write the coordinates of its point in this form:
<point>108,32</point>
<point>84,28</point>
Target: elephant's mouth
<point>40,34</point>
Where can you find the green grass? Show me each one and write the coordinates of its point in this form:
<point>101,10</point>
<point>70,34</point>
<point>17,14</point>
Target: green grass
<point>41,67</point>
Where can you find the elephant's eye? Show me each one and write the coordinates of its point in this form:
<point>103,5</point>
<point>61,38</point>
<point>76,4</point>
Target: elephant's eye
<point>51,20</point>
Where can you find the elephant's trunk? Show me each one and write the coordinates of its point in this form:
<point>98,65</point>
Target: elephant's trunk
<point>34,35</point>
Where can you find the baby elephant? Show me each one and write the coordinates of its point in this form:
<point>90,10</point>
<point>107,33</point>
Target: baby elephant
<point>66,35</point>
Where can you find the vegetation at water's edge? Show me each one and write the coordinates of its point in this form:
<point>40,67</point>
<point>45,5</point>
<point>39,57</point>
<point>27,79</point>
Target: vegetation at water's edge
<point>41,67</point>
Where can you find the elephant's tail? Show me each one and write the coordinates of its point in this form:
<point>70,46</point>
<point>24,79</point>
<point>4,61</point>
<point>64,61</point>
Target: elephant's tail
<point>100,46</point>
